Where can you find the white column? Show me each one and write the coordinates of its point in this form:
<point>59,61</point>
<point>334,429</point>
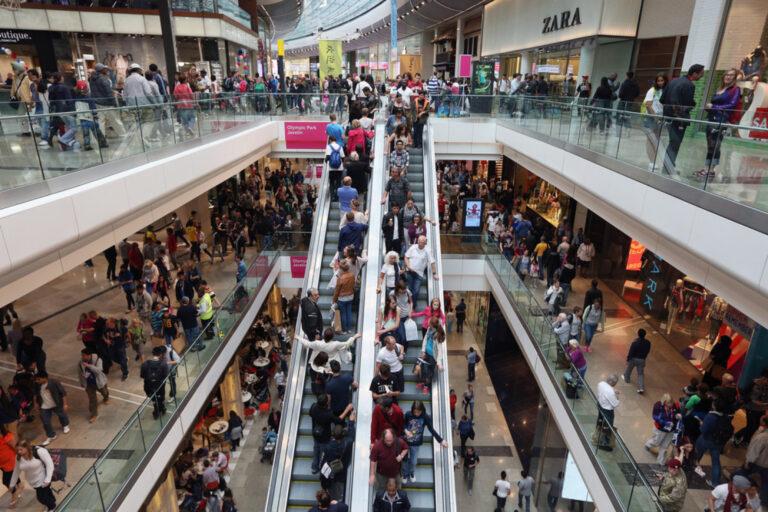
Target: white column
<point>587,60</point>
<point>526,59</point>
<point>702,36</point>
<point>459,44</point>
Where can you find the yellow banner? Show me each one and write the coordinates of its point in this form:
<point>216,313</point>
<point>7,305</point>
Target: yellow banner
<point>330,58</point>
<point>281,48</point>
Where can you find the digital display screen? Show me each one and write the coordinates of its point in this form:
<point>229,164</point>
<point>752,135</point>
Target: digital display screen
<point>473,213</point>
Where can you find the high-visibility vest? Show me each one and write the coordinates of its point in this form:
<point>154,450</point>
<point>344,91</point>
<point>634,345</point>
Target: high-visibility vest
<point>207,306</point>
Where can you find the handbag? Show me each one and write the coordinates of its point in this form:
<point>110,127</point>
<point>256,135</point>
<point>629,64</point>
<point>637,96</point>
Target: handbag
<point>14,100</point>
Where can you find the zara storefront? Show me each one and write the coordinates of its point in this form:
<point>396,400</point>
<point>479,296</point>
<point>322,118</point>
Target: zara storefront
<point>558,37</point>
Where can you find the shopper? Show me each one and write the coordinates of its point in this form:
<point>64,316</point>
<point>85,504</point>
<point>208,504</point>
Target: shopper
<point>326,504</point>
<point>673,487</point>
<point>30,353</point>
<point>501,490</point>
<point>602,100</point>
<point>729,496</point>
<point>397,189</point>
<point>431,354</point>
<point>678,100</point>
<point>384,384</point>
<point>322,420</point>
<point>461,315</point>
<point>716,431</point>
<point>334,156</point>
<point>35,463</point>
<point>399,158</point>
<point>154,372</point>
<point>51,399</point>
<point>391,499</point>
<point>344,295</point>
<point>386,415</point>
<point>652,121</point>
<point>593,320</point>
<point>93,380</point>
<point>416,421</point>
<point>392,354</point>
<point>311,316</point>
<point>387,455</point>
<point>555,490</point>
<point>666,415</point>
<point>417,258</point>
<point>607,402</point>
<point>235,429</point>
<point>466,431</point>
<point>525,490</point>
<point>472,359</point>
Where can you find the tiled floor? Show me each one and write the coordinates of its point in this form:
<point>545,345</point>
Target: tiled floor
<point>493,439</point>
<point>88,288</point>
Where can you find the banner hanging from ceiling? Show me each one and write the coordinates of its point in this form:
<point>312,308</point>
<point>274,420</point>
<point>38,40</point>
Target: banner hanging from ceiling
<point>330,58</point>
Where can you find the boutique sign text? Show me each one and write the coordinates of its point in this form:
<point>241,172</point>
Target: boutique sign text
<point>560,21</point>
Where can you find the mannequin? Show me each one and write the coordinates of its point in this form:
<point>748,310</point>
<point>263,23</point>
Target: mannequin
<point>753,65</point>
<point>715,316</point>
<point>673,304</point>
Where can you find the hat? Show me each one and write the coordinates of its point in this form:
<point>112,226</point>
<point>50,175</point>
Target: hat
<point>674,464</point>
<point>135,65</point>
<point>741,482</point>
<point>100,67</point>
<point>81,85</point>
<point>18,65</point>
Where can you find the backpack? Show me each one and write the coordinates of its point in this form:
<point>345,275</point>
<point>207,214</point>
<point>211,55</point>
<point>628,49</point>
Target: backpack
<point>335,158</point>
<point>59,463</point>
<point>724,431</point>
<point>155,374</point>
<point>229,84</point>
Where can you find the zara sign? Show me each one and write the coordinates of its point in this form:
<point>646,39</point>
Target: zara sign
<point>564,20</point>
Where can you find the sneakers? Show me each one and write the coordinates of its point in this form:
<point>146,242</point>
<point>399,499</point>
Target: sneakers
<point>699,471</point>
<point>469,491</point>
<point>640,391</point>
<point>413,479</point>
<point>66,429</point>
<point>49,440</point>
<point>624,378</point>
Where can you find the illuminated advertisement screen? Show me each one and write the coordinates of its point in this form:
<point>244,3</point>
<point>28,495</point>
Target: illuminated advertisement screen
<point>473,214</point>
<point>635,256</point>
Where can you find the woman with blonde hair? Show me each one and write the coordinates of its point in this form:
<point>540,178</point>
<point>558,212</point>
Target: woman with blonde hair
<point>390,272</point>
<point>666,415</point>
<point>37,466</point>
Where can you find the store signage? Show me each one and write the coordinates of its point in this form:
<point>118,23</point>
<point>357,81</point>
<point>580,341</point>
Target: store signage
<point>739,322</point>
<point>653,288</point>
<point>760,122</point>
<point>473,214</point>
<point>465,65</point>
<point>547,68</point>
<point>298,266</point>
<point>305,134</point>
<point>635,257</point>
<point>564,20</point>
<point>14,36</point>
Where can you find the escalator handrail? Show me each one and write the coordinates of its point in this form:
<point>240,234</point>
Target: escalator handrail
<point>445,485</point>
<point>360,497</point>
<point>282,467</point>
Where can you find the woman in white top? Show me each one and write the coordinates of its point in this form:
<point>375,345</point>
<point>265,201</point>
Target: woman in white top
<point>389,272</point>
<point>652,125</point>
<point>38,472</point>
<point>332,347</point>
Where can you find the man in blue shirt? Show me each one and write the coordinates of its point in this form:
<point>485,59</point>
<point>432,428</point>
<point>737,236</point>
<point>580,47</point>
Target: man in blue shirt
<point>352,234</point>
<point>334,129</point>
<point>346,195</point>
<point>242,270</point>
<point>522,228</point>
<point>339,387</point>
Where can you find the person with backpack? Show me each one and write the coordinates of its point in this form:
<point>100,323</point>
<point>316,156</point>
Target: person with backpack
<point>153,373</point>
<point>716,431</point>
<point>416,421</point>
<point>472,359</point>
<point>322,420</point>
<point>334,154</point>
<point>36,464</point>
<point>336,459</point>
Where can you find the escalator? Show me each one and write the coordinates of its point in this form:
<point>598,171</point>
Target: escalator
<point>293,486</point>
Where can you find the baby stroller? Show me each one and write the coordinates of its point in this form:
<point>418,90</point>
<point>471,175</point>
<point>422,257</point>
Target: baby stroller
<point>268,443</point>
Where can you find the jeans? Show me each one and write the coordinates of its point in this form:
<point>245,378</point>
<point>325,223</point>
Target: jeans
<point>471,406</point>
<point>158,401</point>
<point>88,126</point>
<point>704,445</point>
<point>414,284</point>
<point>191,335</point>
<point>45,496</point>
<point>187,116</point>
<point>93,403</point>
<point>347,318</point>
<point>676,130</point>
<point>42,119</point>
<point>589,331</point>
<point>471,372</point>
<point>552,503</point>
<point>119,356</point>
<point>418,134</point>
<point>69,135</point>
<point>501,503</point>
<point>409,464</point>
<point>317,451</point>
<point>527,499</point>
<point>469,476</point>
<point>47,414</point>
<point>639,364</point>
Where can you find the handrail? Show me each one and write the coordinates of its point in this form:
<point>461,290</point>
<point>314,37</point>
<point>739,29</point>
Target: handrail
<point>360,495</point>
<point>282,467</point>
<point>445,485</point>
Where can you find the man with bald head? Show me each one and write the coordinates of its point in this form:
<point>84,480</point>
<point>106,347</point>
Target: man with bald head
<point>417,258</point>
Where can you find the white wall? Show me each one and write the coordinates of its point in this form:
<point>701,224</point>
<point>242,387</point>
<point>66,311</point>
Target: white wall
<point>465,272</point>
<point>702,35</point>
<point>662,18</point>
<point>74,225</point>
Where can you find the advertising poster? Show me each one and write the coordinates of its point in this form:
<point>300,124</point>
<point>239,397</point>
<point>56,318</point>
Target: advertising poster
<point>635,256</point>
<point>473,214</point>
<point>305,134</point>
<point>482,78</point>
<point>410,64</point>
<point>465,65</point>
<point>298,266</point>
<point>330,57</point>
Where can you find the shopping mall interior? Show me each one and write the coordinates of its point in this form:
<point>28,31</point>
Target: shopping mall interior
<point>384,256</point>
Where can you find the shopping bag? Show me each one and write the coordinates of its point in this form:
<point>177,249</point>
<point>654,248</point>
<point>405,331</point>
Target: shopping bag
<point>411,330</point>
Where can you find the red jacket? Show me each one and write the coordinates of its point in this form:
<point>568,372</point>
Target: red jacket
<point>381,422</point>
<point>356,138</point>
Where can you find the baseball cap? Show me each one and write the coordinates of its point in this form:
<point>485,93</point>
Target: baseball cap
<point>81,85</point>
<point>674,463</point>
<point>100,66</point>
<point>741,482</point>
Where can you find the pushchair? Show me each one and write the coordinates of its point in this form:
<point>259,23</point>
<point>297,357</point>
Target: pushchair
<point>268,443</point>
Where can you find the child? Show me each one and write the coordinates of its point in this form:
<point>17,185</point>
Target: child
<point>86,114</point>
<point>137,337</point>
<point>575,321</point>
<point>170,327</point>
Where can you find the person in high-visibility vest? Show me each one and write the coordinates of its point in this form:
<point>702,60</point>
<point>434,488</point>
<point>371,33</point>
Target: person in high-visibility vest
<point>205,310</point>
